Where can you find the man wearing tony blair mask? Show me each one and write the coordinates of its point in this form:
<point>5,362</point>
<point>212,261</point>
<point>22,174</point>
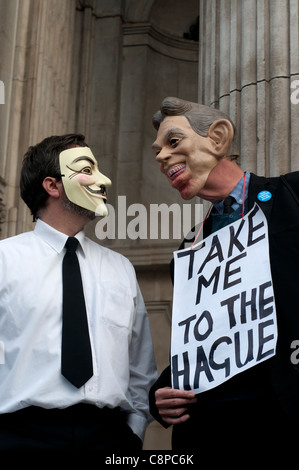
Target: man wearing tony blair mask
<point>194,148</point>
<point>78,356</point>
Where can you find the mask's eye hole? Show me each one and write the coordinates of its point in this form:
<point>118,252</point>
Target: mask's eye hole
<point>86,170</point>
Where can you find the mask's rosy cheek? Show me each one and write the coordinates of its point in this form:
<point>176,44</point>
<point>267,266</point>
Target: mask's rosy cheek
<point>83,179</point>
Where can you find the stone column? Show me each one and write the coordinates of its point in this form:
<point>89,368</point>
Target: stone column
<point>249,67</point>
<point>41,42</point>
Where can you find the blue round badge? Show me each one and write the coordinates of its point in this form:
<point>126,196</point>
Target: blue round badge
<point>264,196</point>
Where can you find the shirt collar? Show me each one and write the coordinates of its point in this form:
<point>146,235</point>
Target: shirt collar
<point>54,238</point>
<point>237,193</point>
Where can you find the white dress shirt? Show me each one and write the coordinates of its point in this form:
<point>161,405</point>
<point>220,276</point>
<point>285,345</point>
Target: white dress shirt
<point>31,321</point>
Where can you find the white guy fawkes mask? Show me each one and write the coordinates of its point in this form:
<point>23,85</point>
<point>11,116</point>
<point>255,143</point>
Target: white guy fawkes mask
<point>84,185</point>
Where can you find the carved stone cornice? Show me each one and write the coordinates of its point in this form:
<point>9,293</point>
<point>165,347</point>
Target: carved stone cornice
<point>145,34</point>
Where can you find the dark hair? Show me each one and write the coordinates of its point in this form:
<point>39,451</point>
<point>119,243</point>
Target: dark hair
<point>40,161</point>
<point>200,116</point>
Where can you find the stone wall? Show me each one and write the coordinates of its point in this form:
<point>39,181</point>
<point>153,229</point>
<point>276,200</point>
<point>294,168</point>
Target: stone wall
<point>248,62</point>
<point>101,68</point>
<point>38,47</point>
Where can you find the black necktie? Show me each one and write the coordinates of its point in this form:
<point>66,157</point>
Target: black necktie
<point>76,359</point>
<point>227,205</point>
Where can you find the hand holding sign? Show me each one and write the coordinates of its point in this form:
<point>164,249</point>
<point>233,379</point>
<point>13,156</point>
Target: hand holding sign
<point>173,404</point>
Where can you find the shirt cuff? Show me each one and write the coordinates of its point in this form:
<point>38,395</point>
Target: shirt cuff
<point>138,424</point>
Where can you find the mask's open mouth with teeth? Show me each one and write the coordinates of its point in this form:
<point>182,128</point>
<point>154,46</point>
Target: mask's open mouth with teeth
<point>176,171</point>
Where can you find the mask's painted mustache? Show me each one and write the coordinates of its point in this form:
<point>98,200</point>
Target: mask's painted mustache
<point>102,190</point>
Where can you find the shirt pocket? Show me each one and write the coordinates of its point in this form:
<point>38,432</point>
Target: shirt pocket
<point>116,305</point>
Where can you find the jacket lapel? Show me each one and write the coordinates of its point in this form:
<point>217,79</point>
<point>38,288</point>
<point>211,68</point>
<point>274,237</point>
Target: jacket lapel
<point>258,184</point>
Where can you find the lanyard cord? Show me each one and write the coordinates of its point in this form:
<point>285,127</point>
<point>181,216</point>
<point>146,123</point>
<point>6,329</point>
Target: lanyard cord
<point>201,227</point>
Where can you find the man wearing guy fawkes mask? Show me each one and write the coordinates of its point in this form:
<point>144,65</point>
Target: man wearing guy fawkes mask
<point>41,406</point>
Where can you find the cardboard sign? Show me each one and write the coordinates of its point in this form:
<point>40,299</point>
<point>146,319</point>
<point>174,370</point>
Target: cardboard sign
<point>224,316</point>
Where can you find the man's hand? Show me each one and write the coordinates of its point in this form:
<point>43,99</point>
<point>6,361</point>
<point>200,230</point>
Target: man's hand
<point>173,404</point>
